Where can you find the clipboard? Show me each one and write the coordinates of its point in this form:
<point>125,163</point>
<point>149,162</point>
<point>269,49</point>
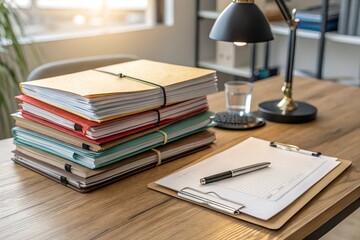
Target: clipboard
<point>276,221</point>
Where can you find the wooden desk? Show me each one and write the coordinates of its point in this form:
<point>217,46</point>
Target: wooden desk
<point>32,206</point>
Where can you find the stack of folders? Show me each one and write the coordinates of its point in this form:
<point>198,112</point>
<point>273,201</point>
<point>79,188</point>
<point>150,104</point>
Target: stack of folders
<point>94,127</point>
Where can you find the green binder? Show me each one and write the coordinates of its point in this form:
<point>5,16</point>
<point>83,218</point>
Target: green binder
<point>185,127</point>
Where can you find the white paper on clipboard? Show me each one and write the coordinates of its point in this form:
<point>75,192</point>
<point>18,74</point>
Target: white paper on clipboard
<point>261,194</point>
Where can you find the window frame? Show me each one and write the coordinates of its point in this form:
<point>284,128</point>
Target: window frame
<point>155,15</point>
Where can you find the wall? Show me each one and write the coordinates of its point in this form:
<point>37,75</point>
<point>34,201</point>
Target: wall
<point>173,44</point>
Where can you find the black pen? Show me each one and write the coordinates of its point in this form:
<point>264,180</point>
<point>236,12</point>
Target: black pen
<point>233,173</point>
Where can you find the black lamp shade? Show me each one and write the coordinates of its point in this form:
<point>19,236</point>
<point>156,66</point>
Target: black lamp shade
<point>241,22</point>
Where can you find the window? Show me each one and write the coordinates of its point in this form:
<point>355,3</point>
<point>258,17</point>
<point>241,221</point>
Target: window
<point>80,16</point>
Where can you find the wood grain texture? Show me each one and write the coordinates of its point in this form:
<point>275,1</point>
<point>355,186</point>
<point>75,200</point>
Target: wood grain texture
<point>34,207</point>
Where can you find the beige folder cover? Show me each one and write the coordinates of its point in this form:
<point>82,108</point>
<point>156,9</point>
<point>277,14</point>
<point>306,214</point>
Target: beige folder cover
<point>92,83</point>
<point>280,219</point>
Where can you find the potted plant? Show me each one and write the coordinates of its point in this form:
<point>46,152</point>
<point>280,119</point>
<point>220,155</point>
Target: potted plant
<point>13,65</point>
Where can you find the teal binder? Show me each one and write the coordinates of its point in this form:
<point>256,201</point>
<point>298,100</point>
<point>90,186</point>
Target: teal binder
<point>93,160</point>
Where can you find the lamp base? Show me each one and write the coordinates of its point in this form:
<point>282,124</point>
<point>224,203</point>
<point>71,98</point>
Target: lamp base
<point>303,113</point>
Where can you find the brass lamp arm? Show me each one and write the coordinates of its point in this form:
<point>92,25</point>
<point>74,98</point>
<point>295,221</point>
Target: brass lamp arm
<point>287,104</point>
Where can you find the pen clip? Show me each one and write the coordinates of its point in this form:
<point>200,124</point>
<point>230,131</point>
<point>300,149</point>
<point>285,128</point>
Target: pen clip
<point>196,198</point>
<point>289,147</point>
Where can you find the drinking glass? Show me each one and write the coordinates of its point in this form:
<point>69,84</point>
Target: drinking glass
<point>238,97</point>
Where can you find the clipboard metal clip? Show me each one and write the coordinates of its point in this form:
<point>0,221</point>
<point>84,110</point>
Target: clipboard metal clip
<point>187,194</point>
<point>293,148</point>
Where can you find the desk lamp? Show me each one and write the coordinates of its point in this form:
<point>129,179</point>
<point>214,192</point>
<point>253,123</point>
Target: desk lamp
<point>243,22</point>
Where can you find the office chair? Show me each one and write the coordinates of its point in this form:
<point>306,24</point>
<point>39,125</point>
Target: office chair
<point>72,65</point>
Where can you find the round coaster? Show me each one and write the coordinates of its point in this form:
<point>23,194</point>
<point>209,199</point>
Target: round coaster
<point>234,121</point>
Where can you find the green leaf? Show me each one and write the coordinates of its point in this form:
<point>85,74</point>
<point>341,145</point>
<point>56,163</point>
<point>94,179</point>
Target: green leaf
<point>13,64</point>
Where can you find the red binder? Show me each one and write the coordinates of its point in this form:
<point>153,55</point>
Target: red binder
<point>82,125</point>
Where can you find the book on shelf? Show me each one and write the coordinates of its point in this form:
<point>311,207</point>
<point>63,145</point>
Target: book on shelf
<point>83,179</point>
<point>311,18</point>
<point>122,89</point>
<point>314,26</point>
<point>314,14</point>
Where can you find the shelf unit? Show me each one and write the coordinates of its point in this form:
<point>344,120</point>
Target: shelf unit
<point>322,36</point>
<point>209,14</point>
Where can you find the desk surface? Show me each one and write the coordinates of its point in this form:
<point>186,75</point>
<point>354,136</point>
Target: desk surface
<point>32,206</point>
